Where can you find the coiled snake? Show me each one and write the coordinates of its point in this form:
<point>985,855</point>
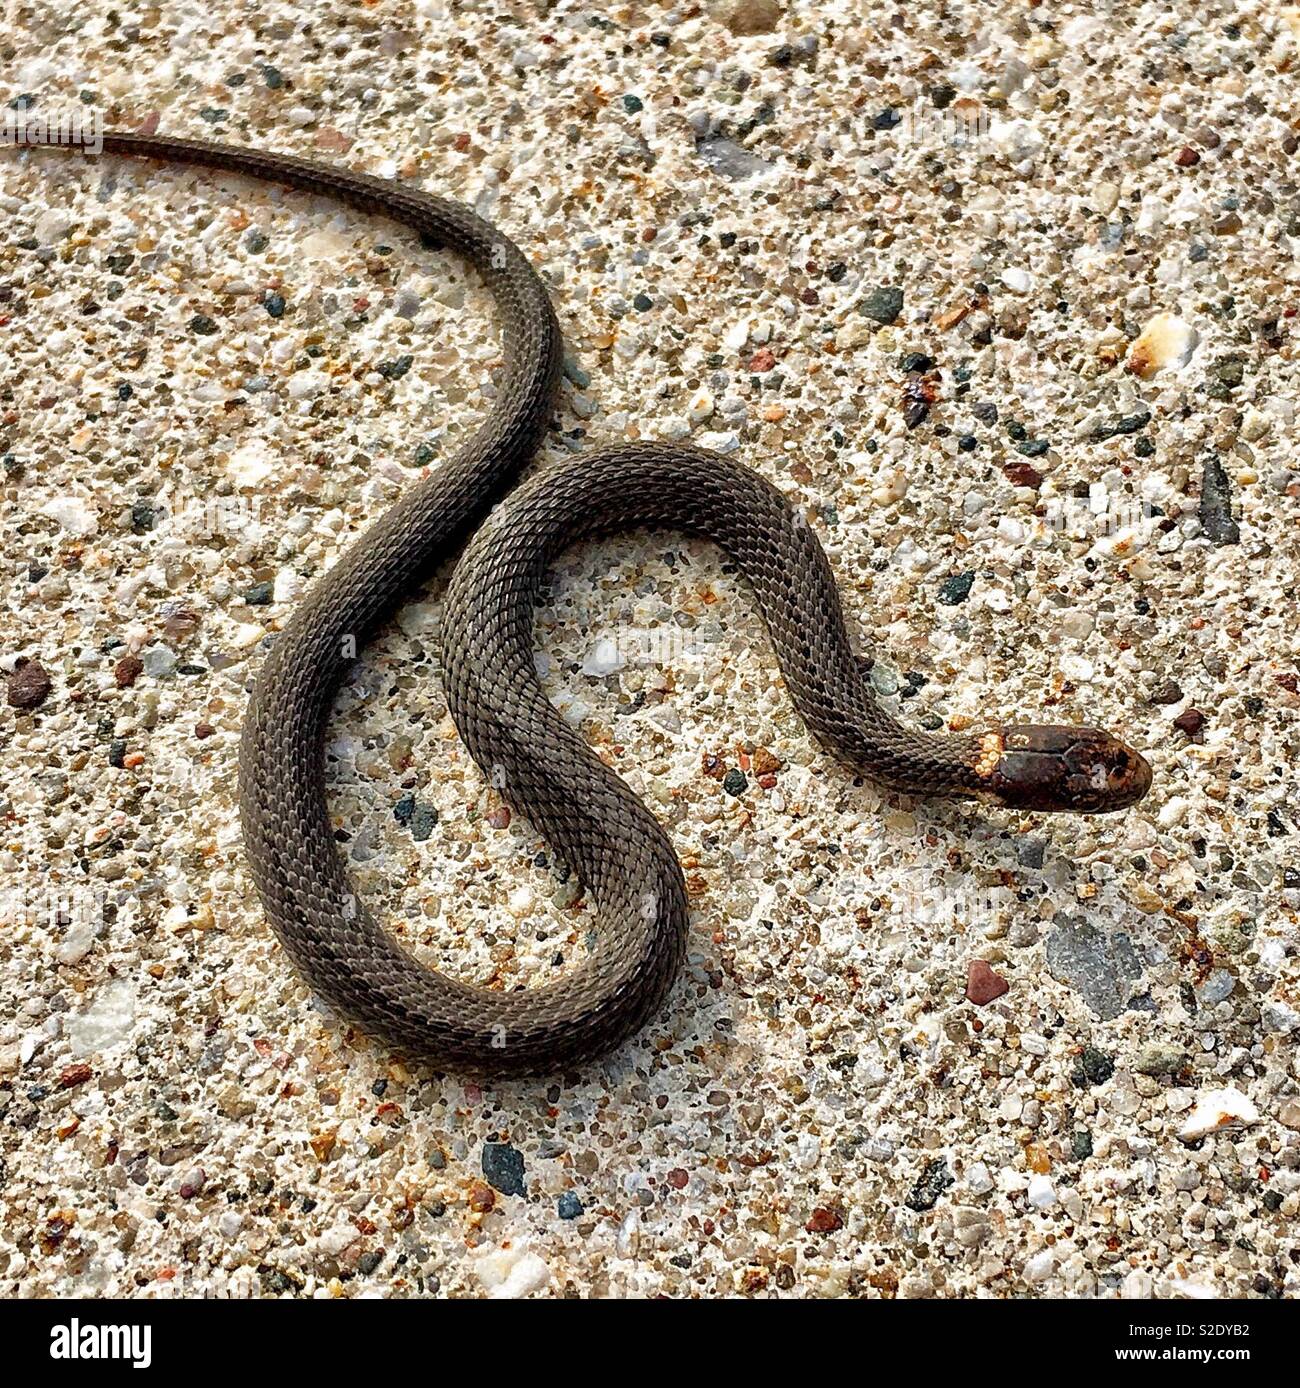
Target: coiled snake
<point>590,818</point>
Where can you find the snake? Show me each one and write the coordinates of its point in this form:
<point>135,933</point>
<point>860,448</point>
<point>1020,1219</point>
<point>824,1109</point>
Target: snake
<point>508,533</point>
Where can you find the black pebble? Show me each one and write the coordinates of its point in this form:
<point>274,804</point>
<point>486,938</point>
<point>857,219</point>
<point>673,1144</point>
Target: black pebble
<point>1216,504</point>
<point>503,1167</point>
<point>933,1181</point>
<point>957,588</point>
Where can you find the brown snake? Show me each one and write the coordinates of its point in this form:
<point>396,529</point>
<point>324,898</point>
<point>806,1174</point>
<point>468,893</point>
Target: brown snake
<point>590,818</point>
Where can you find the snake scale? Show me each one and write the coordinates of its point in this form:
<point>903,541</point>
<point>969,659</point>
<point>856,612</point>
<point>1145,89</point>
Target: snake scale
<point>591,819</point>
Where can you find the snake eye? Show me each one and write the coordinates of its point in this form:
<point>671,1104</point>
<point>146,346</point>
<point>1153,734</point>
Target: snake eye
<point>1080,770</point>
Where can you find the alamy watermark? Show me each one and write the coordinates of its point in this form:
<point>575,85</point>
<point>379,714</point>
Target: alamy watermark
<point>51,906</point>
<point>961,124</point>
<point>77,128</point>
<point>77,1341</point>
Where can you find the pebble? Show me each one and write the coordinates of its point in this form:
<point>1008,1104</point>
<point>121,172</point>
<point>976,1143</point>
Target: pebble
<point>1165,344</point>
<point>1103,967</point>
<point>503,1166</point>
<point>930,1185</point>
<point>73,515</point>
<point>1173,812</point>
<point>1280,1017</point>
<point>1218,986</point>
<point>127,671</point>
<point>733,161</point>
<point>983,986</point>
<point>307,385</point>
<point>883,304</point>
<point>509,1273</point>
<point>604,658</point>
<point>978,1180</point>
<point>956,590</point>
<point>1191,721</point>
<point>735,782</point>
<point>1159,1058</point>
<point>250,465</point>
<point>1041,1193</point>
<point>747,17</point>
<point>106,1022</point>
<point>1094,1067</point>
<point>1078,668</point>
<point>1017,280</point>
<point>1216,504</point>
<point>160,662</point>
<point>28,686</point>
<point>1215,1110</point>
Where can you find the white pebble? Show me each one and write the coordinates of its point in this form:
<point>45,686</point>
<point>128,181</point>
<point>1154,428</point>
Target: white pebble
<point>1076,668</point>
<point>1173,812</point>
<point>1166,341</point>
<point>71,513</point>
<point>892,487</point>
<point>106,1022</point>
<point>603,659</point>
<point>720,442</point>
<point>1041,1193</point>
<point>511,1272</point>
<point>305,385</point>
<point>1216,1109</point>
<point>1151,216</point>
<point>701,406</point>
<point>1017,280</point>
<point>1280,1016</point>
<point>52,226</point>
<point>978,1180</point>
<point>249,465</point>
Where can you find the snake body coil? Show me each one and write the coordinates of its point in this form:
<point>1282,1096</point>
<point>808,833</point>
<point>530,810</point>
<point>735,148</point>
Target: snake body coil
<point>591,819</point>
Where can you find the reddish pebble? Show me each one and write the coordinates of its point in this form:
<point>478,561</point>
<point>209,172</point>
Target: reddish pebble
<point>193,1184</point>
<point>1022,475</point>
<point>762,360</point>
<point>74,1075</point>
<point>28,685</point>
<point>677,1178</point>
<point>203,730</point>
<point>982,984</point>
<point>499,818</point>
<point>333,140</point>
<point>481,1197</point>
<point>127,671</point>
<point>1191,721</point>
<point>824,1221</point>
<point>1187,157</point>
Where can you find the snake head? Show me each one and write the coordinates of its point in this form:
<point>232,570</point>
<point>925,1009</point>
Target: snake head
<point>1078,770</point>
